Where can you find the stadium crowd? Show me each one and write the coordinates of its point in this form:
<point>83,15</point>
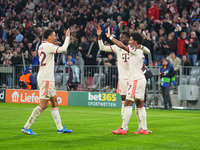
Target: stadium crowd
<point>170,28</point>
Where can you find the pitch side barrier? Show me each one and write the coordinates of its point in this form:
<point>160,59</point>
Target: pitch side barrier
<point>31,96</point>
<point>102,79</point>
<point>92,78</point>
<point>65,98</point>
<point>94,99</point>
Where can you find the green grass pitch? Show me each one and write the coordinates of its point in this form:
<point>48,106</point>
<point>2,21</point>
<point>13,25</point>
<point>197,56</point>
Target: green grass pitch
<point>177,129</point>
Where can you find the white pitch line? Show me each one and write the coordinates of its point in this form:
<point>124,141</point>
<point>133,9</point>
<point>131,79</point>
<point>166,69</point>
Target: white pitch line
<point>173,116</point>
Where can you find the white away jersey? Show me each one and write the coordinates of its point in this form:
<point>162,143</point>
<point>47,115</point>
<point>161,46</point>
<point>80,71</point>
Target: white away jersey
<point>136,63</point>
<point>123,61</point>
<point>46,61</point>
<point>122,58</point>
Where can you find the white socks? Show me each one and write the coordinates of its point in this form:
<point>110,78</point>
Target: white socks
<point>122,110</point>
<point>138,118</point>
<point>143,117</point>
<point>127,116</point>
<point>56,117</point>
<point>36,112</point>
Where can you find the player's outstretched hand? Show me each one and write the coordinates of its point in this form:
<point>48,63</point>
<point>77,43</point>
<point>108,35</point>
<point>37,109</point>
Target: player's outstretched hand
<point>99,31</point>
<point>67,32</point>
<point>108,34</point>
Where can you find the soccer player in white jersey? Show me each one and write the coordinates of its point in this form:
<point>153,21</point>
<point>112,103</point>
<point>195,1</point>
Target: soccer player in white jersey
<point>122,58</point>
<point>46,81</point>
<point>137,82</point>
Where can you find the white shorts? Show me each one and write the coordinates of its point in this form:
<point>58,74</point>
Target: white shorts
<point>136,89</point>
<point>122,86</point>
<point>47,89</point>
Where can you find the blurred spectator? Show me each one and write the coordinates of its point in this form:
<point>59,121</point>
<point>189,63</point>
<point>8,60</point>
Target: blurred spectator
<point>162,33</point>
<point>22,47</point>
<point>195,29</point>
<point>36,43</point>
<point>46,22</point>
<point>181,49</point>
<point>59,30</point>
<point>111,59</point>
<point>149,44</point>
<point>160,50</point>
<point>153,12</point>
<point>27,58</point>
<point>169,45</point>
<point>4,33</point>
<point>196,10</point>
<point>35,59</point>
<point>89,29</point>
<point>162,8</point>
<point>185,63</point>
<point>36,2</point>
<point>184,27</point>
<point>103,29</point>
<point>19,37</point>
<point>175,61</point>
<point>79,61</point>
<point>15,59</point>
<point>133,22</point>
<point>2,51</point>
<point>63,59</point>
<point>192,48</point>
<point>30,7</point>
<point>172,8</point>
<point>74,72</point>
<point>18,50</point>
<point>167,24</point>
<point>92,52</point>
<point>6,57</point>
<point>73,47</point>
<point>29,79</point>
<point>30,48</point>
<point>83,48</point>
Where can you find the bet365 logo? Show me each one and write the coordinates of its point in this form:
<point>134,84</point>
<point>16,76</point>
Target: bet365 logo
<point>102,97</point>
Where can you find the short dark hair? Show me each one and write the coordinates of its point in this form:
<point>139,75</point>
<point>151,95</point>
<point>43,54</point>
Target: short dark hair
<point>165,59</point>
<point>47,33</point>
<point>106,61</point>
<point>126,34</point>
<point>137,37</point>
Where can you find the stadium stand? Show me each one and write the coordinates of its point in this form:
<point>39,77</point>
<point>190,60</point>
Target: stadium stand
<point>22,26</point>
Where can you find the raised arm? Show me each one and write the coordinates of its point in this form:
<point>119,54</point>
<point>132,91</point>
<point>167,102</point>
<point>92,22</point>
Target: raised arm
<point>144,49</point>
<point>116,42</point>
<point>103,47</point>
<point>64,47</point>
<point>100,42</point>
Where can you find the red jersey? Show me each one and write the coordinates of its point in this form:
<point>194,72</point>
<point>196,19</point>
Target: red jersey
<point>181,49</point>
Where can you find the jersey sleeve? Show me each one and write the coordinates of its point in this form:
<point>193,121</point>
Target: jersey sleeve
<point>58,49</point>
<point>102,47</point>
<point>145,49</point>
